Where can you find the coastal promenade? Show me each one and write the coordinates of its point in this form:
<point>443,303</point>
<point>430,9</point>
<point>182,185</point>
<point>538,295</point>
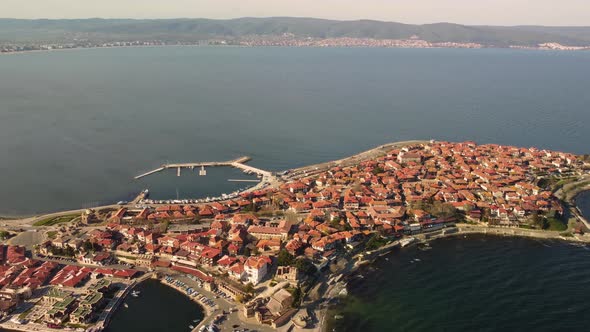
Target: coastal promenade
<point>378,151</point>
<point>463,229</point>
<point>569,191</point>
<point>568,194</point>
<point>29,221</point>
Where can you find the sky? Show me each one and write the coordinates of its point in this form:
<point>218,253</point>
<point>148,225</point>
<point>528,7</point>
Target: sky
<point>488,12</point>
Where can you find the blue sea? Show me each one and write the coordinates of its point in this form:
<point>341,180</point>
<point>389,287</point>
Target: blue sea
<point>77,126</point>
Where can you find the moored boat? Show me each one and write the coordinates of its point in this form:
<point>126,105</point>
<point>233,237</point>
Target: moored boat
<point>406,241</point>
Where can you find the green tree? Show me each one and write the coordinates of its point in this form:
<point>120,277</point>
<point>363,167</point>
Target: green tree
<point>250,208</point>
<point>296,297</point>
<point>4,235</point>
<point>249,288</point>
<point>538,220</point>
<point>285,258</point>
<point>335,222</point>
<point>88,246</point>
<point>377,170</point>
<point>305,266</point>
<point>375,242</point>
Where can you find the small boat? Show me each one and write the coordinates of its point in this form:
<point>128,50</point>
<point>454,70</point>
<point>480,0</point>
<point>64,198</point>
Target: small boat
<point>424,246</point>
<point>125,305</point>
<point>406,241</point>
<point>338,316</point>
<point>191,327</point>
<point>196,320</point>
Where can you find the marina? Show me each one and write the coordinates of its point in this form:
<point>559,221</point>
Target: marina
<point>237,163</point>
<point>145,311</point>
<point>265,178</point>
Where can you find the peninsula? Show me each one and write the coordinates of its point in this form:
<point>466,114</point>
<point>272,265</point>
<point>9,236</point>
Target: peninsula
<point>271,258</point>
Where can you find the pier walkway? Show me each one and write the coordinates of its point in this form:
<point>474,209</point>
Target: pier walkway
<point>267,178</point>
<point>238,163</point>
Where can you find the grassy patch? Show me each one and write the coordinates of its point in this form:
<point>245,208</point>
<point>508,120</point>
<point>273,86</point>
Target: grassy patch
<point>56,220</point>
<point>556,225</point>
<point>375,242</point>
<point>52,234</point>
<point>25,313</point>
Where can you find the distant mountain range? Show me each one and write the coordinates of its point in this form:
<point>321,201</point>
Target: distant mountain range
<point>191,30</point>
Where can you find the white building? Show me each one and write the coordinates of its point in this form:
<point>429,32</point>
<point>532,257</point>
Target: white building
<point>255,268</point>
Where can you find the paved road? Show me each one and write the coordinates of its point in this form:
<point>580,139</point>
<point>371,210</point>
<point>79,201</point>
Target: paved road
<point>565,193</point>
<point>29,221</point>
<point>305,171</point>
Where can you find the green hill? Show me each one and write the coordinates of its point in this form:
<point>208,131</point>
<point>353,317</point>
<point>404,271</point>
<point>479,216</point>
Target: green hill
<point>24,31</point>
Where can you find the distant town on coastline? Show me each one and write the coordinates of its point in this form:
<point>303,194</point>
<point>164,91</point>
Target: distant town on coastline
<point>17,35</point>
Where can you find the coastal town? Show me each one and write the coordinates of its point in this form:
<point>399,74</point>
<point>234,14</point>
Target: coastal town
<point>273,258</point>
<point>285,40</point>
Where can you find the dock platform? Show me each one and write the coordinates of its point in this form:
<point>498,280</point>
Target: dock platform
<point>237,163</point>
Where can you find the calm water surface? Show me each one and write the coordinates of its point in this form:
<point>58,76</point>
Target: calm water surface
<point>159,308</point>
<point>76,126</point>
<point>583,202</point>
<point>475,284</point>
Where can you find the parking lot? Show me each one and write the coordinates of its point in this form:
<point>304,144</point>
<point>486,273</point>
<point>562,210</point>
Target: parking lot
<point>226,312</point>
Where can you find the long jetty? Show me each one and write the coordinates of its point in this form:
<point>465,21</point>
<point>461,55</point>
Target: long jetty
<point>149,173</point>
<point>237,163</point>
<point>242,180</point>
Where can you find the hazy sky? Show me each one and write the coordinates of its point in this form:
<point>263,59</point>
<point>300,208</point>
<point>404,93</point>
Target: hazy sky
<point>498,12</point>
